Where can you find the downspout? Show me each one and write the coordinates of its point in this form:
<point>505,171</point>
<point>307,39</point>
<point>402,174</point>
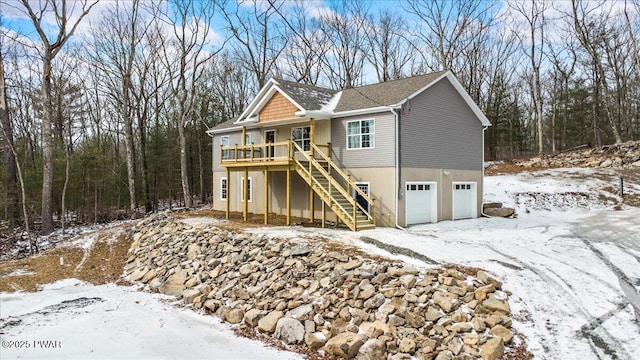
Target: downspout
<point>396,179</point>
<point>482,194</point>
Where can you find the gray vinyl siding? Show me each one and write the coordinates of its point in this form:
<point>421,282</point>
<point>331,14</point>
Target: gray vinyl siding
<point>382,155</point>
<point>439,130</point>
<point>235,138</point>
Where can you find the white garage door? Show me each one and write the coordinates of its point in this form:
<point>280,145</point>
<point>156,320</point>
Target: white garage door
<point>464,200</point>
<point>420,202</point>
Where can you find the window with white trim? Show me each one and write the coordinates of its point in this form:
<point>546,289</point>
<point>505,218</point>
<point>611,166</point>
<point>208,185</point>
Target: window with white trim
<point>361,134</point>
<point>247,138</point>
<point>223,189</point>
<point>248,189</point>
<point>224,141</point>
<point>302,137</point>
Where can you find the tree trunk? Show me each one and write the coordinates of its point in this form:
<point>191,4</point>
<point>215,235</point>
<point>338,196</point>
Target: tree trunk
<point>143,164</point>
<point>183,164</point>
<point>131,167</point>
<point>12,213</point>
<point>47,146</point>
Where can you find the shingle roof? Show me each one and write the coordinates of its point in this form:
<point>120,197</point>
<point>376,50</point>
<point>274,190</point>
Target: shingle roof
<point>384,93</point>
<point>308,96</point>
<point>225,125</point>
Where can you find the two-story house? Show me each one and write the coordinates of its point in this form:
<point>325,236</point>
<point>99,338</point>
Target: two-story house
<point>396,153</point>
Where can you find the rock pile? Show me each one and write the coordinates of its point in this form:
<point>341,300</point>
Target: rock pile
<point>619,155</point>
<point>301,292</point>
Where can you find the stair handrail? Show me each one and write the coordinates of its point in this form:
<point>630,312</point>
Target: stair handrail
<point>349,182</point>
<point>324,173</point>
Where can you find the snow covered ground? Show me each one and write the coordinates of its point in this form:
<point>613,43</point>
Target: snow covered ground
<point>571,261</point>
<point>70,319</point>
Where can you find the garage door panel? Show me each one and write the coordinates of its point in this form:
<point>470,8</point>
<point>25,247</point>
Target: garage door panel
<point>420,202</point>
<point>464,200</point>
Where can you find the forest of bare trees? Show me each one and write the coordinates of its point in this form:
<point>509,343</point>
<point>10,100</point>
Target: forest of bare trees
<point>105,104</point>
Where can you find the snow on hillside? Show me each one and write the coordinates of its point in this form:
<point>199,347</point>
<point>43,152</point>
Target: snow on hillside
<point>571,261</point>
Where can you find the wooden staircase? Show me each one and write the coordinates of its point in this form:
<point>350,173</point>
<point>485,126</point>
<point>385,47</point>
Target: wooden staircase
<point>334,187</point>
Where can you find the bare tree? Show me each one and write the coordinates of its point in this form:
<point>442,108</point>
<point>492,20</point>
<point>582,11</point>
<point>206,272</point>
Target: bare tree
<point>12,212</point>
<point>533,14</point>
<point>184,55</point>
<point>389,50</point>
<point>116,41</point>
<point>63,13</point>
<point>11,157</point>
<point>301,59</point>
<point>444,31</point>
<point>259,40</point>
<point>344,29</point>
<point>591,33</point>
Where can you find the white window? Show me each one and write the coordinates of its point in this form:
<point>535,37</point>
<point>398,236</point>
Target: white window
<point>248,189</point>
<point>223,189</point>
<point>361,134</point>
<point>247,138</point>
<point>302,137</point>
<point>224,141</point>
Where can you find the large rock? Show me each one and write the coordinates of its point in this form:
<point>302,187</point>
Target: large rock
<point>407,345</point>
<point>492,349</point>
<point>447,301</point>
<point>502,332</point>
<point>345,344</point>
<point>174,285</point>
<point>491,205</point>
<point>190,294</point>
<point>372,349</point>
<point>494,304</point>
<point>405,270</point>
<point>499,212</point>
<point>300,250</point>
<point>315,340</point>
<point>269,322</point>
<point>374,329</point>
<point>289,330</point>
<point>252,317</point>
<point>138,274</point>
<point>234,316</point>
<point>375,301</point>
<point>193,251</point>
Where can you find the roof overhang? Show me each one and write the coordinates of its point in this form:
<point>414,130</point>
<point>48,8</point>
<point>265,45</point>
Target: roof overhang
<point>362,111</point>
<point>315,114</point>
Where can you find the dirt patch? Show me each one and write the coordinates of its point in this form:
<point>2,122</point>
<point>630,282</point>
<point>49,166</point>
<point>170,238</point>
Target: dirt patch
<point>518,349</point>
<point>236,220</point>
<point>46,268</point>
<point>99,264</point>
<point>508,168</point>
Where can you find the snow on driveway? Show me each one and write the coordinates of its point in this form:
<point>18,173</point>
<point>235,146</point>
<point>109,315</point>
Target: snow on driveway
<point>71,319</point>
<point>573,266</point>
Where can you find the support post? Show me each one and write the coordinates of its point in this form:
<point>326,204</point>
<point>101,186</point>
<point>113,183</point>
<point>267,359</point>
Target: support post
<point>312,198</point>
<point>228,192</point>
<point>324,215</point>
<point>244,142</point>
<point>245,189</point>
<point>288,195</point>
<point>312,135</point>
<point>266,196</point>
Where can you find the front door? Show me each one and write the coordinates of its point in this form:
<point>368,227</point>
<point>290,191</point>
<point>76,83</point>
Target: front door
<point>269,138</point>
<point>359,198</point>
